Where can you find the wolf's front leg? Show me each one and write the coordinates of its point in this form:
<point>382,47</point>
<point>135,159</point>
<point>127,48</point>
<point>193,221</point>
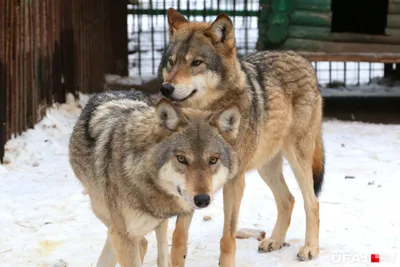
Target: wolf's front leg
<point>180,239</point>
<point>163,259</point>
<point>127,249</point>
<point>233,194</point>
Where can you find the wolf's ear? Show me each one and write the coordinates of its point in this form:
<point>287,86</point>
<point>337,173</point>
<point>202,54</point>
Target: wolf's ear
<point>221,31</point>
<point>169,116</point>
<point>227,122</point>
<point>175,21</point>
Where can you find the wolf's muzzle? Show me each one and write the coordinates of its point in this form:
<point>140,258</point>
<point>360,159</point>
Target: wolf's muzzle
<point>202,201</point>
<point>167,89</point>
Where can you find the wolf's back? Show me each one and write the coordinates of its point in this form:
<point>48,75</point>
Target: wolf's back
<point>83,141</point>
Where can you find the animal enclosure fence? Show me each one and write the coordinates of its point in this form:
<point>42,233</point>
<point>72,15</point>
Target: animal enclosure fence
<point>148,27</point>
<point>51,47</point>
<point>148,33</point>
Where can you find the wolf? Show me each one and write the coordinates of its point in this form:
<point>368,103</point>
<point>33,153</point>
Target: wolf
<point>281,105</point>
<point>142,163</point>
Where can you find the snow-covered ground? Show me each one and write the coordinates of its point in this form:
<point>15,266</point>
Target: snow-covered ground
<point>46,220</point>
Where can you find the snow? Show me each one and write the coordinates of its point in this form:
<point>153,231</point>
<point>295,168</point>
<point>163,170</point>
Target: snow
<point>46,220</point>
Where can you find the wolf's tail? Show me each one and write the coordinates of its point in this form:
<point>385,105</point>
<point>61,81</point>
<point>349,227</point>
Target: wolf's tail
<point>318,166</point>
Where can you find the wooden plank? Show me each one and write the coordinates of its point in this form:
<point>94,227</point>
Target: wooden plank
<point>13,68</point>
<point>17,64</point>
<point>38,84</point>
<point>28,64</point>
<point>394,8</point>
<point>393,21</point>
<point>56,63</point>
<point>21,126</point>
<point>118,25</point>
<point>352,57</point>
<point>314,5</point>
<point>393,32</point>
<point>25,62</point>
<point>49,51</point>
<point>68,51</point>
<point>338,47</point>
<point>311,18</point>
<point>8,67</point>
<point>32,45</point>
<point>3,77</point>
<point>325,34</point>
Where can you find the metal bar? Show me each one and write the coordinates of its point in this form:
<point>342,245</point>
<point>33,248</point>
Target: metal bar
<point>152,40</point>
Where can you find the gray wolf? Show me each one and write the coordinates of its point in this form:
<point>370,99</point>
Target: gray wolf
<point>142,163</point>
<point>278,96</point>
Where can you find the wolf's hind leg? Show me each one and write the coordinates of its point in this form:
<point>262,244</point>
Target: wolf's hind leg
<point>272,175</point>
<point>107,256</point>
<point>300,159</point>
<point>180,240</point>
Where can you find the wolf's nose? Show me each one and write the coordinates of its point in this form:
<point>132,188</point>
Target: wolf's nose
<point>202,201</point>
<point>167,89</point>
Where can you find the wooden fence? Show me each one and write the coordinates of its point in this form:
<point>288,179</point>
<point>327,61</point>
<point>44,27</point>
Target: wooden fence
<point>51,47</point>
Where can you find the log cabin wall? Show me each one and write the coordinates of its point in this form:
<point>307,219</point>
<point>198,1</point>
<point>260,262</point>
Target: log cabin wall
<point>306,26</point>
<point>393,21</point>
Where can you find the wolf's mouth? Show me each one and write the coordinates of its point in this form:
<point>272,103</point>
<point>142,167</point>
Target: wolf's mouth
<point>185,98</point>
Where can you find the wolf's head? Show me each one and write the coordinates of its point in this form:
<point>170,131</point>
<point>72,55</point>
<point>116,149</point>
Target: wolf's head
<point>198,58</point>
<point>195,155</point>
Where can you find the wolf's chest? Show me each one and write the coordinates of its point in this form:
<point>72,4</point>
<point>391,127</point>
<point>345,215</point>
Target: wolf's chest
<point>139,223</point>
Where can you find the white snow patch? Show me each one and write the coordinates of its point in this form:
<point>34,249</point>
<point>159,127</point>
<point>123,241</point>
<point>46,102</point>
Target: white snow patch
<point>47,221</point>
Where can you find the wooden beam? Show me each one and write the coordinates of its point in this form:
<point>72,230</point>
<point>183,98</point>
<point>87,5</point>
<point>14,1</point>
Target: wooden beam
<point>394,8</point>
<point>338,47</point>
<point>393,32</point>
<point>314,5</point>
<point>352,57</point>
<point>311,18</point>
<point>325,34</point>
<point>393,21</point>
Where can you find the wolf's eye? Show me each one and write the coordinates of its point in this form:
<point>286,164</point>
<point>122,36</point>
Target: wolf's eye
<point>196,63</point>
<point>170,62</point>
<point>213,160</point>
<point>182,159</point>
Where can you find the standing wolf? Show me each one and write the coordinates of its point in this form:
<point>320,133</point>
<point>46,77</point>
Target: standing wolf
<point>278,96</point>
<point>142,164</point>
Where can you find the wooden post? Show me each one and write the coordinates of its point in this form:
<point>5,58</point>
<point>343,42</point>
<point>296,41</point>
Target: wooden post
<point>119,37</point>
<point>388,70</point>
<point>3,109</point>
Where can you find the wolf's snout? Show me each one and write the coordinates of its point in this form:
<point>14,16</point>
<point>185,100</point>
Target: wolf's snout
<point>202,201</point>
<point>167,89</point>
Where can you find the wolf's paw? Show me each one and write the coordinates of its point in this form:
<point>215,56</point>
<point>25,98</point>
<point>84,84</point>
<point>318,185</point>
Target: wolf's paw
<point>268,245</point>
<point>308,253</point>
